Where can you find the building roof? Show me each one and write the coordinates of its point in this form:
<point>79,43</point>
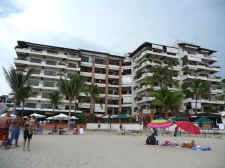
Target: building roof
<point>196,46</point>
<point>146,44</point>
<point>26,44</point>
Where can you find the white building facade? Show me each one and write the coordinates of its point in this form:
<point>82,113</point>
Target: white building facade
<point>121,77</point>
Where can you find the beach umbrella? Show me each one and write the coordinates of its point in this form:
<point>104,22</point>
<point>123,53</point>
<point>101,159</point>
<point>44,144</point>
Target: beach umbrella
<point>159,123</point>
<point>49,118</point>
<point>37,115</point>
<point>11,115</point>
<point>121,116</point>
<point>188,127</point>
<point>3,108</point>
<point>74,118</point>
<point>179,118</point>
<point>203,120</point>
<point>61,117</point>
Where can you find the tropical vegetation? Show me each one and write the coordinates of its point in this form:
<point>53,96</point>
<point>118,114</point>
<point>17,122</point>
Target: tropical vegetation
<point>195,89</point>
<point>18,82</point>
<point>54,97</point>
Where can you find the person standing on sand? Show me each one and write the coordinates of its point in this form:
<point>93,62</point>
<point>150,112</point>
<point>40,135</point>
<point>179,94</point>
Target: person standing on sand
<point>28,132</point>
<point>4,129</point>
<point>176,131</point>
<point>15,130</point>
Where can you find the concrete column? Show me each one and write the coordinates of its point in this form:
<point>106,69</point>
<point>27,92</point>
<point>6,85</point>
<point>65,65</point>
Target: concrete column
<point>92,81</point>
<point>120,87</point>
<point>106,85</point>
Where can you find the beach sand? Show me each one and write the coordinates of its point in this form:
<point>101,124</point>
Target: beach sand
<point>105,150</point>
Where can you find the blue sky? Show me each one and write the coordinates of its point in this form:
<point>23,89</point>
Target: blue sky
<point>114,26</point>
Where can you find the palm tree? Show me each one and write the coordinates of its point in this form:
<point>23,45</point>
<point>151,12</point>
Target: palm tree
<point>25,93</point>
<point>17,81</point>
<point>67,87</point>
<point>94,91</point>
<point>79,87</point>
<point>54,97</point>
<point>166,99</point>
<point>196,88</point>
<point>163,75</point>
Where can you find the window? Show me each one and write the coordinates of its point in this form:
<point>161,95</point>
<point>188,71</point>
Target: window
<point>30,105</point>
<point>33,82</point>
<point>86,58</point>
<point>46,106</point>
<point>51,62</point>
<point>45,94</point>
<point>72,65</point>
<point>36,71</point>
<point>52,52</point>
<point>36,49</point>
<point>35,60</point>
<point>49,84</point>
<point>99,60</point>
<point>50,73</point>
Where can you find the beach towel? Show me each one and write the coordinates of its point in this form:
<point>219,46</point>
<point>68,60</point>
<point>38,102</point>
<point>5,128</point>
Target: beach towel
<point>202,148</point>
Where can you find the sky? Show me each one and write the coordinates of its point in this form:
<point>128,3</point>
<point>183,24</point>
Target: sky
<point>114,26</point>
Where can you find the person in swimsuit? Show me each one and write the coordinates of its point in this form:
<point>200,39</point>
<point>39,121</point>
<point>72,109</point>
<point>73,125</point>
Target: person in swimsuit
<point>28,132</point>
<point>4,129</point>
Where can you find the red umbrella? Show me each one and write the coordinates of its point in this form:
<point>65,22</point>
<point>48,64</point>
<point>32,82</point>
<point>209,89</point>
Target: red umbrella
<point>188,127</point>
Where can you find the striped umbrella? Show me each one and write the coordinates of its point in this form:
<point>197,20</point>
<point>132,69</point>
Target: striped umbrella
<point>159,123</point>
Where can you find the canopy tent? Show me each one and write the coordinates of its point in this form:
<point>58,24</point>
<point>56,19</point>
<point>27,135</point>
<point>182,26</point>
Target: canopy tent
<point>37,115</point>
<point>121,116</point>
<point>203,120</point>
<point>107,116</point>
<point>179,118</point>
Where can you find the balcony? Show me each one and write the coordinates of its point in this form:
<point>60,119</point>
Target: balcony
<point>190,100</point>
<point>48,54</point>
<point>201,78</point>
<point>87,74</point>
<point>144,99</point>
<point>163,54</point>
<point>144,75</point>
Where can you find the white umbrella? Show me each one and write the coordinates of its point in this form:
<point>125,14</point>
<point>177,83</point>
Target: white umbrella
<point>11,115</point>
<point>61,117</point>
<point>49,118</point>
<point>74,118</point>
<point>37,115</point>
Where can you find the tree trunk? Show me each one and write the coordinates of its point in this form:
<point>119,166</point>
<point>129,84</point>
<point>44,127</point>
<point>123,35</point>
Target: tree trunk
<point>14,106</point>
<point>93,106</point>
<point>23,108</point>
<point>196,99</point>
<point>70,102</point>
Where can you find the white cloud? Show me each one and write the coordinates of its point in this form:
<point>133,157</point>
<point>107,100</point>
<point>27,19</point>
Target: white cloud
<point>113,26</point>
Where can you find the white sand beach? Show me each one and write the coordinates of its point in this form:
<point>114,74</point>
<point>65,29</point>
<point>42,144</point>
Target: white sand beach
<point>103,150</point>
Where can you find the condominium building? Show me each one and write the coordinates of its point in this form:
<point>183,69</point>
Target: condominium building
<point>121,77</point>
<point>189,61</point>
<point>110,72</point>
